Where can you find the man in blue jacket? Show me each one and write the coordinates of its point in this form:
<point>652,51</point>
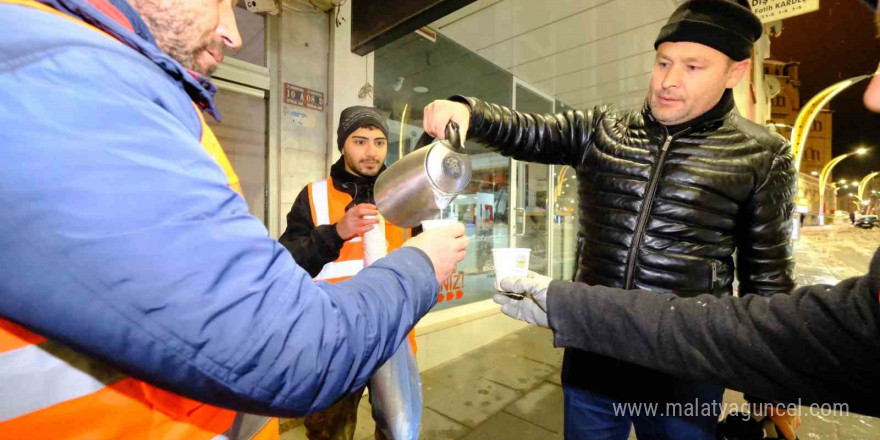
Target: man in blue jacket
<point>122,239</point>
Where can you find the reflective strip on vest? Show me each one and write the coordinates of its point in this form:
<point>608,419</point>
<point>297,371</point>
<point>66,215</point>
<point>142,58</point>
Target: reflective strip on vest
<point>321,203</point>
<point>32,379</point>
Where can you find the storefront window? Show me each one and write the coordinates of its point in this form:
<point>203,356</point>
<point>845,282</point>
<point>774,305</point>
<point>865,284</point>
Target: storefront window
<point>508,203</point>
<point>412,72</point>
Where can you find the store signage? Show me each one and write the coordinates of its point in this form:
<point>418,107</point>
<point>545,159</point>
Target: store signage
<point>303,97</point>
<point>774,10</point>
<point>452,288</point>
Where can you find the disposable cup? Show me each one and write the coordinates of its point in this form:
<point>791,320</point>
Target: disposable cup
<point>427,225</point>
<point>511,263</point>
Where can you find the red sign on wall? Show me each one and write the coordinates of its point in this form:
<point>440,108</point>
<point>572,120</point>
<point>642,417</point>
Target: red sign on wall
<point>303,97</point>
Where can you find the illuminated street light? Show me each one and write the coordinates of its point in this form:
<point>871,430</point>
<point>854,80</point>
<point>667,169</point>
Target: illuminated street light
<point>823,179</point>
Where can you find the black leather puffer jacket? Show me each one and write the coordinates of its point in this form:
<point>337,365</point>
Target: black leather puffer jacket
<point>664,212</point>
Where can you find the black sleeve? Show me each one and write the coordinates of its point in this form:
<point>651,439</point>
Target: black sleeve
<point>312,247</point>
<point>819,344</point>
<point>764,256</point>
<point>561,138</point>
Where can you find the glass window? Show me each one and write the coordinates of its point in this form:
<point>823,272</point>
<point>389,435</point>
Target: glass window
<point>243,134</point>
<point>565,222</point>
<point>409,74</point>
<point>532,191</point>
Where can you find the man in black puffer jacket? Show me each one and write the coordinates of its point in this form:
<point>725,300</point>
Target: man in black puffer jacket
<point>667,195</point>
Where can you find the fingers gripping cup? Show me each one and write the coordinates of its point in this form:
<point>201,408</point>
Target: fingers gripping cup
<point>511,263</point>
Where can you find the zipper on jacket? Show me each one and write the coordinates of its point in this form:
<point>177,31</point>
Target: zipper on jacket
<point>714,265</point>
<point>646,208</point>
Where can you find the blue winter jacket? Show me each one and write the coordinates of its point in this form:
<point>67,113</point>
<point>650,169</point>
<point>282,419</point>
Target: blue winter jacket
<point>120,237</point>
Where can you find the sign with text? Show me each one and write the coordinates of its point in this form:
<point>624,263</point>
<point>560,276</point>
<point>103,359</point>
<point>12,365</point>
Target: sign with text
<point>773,10</point>
<point>452,288</point>
<point>303,97</point>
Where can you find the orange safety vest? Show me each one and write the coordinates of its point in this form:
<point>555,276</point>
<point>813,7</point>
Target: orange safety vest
<point>69,395</point>
<point>327,205</point>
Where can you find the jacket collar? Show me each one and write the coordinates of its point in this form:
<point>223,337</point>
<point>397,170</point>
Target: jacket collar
<point>717,114</point>
<point>118,19</point>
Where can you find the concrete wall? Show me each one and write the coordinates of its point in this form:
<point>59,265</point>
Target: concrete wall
<point>304,52</point>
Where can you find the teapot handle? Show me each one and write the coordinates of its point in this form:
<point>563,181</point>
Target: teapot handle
<point>452,136</point>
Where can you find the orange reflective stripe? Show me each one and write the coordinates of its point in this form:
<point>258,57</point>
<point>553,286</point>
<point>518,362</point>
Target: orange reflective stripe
<point>272,431</point>
<point>125,410</point>
<point>13,336</point>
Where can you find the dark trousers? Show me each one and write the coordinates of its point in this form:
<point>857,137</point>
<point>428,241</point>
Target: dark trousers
<point>337,422</point>
<point>592,416</point>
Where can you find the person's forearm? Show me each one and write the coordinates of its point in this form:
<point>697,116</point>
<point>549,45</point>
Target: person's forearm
<point>782,348</point>
<point>559,138</point>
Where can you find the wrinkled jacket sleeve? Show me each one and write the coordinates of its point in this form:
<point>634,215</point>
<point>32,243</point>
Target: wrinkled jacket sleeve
<point>561,138</point>
<point>765,260</point>
<point>121,239</point>
<point>820,343</point>
<point>312,247</point>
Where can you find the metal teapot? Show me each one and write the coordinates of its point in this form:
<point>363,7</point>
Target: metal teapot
<point>424,182</point>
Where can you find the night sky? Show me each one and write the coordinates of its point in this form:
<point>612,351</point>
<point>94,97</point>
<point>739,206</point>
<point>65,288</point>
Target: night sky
<point>837,42</point>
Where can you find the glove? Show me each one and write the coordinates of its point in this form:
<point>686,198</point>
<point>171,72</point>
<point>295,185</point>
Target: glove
<point>525,298</point>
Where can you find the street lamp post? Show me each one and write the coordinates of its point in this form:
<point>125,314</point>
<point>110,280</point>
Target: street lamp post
<point>863,185</point>
<point>823,180</point>
<point>808,113</point>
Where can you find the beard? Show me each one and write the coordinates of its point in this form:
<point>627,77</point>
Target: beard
<point>177,33</point>
<point>365,167</point>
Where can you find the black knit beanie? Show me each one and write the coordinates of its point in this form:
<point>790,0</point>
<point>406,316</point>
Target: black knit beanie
<point>727,26</point>
<point>356,117</point>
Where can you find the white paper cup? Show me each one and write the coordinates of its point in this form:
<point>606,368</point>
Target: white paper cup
<point>511,263</point>
<point>427,225</point>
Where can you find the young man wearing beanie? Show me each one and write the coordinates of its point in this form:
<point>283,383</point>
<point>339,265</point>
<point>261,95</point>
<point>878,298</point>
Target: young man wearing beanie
<point>325,230</point>
<point>820,345</point>
<point>668,194</point>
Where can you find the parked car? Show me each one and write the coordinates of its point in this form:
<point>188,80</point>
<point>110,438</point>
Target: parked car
<point>866,221</point>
